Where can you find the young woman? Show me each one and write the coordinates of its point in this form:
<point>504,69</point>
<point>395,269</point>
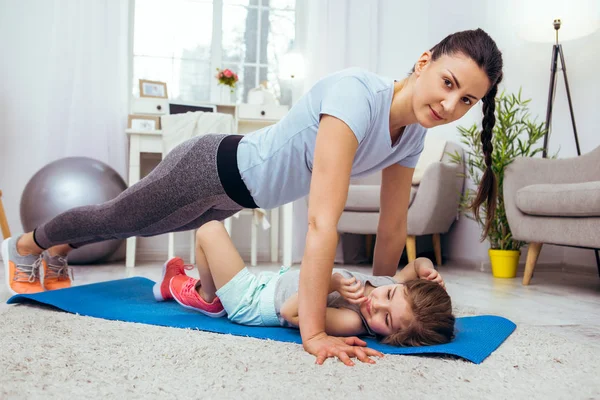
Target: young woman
<point>350,123</point>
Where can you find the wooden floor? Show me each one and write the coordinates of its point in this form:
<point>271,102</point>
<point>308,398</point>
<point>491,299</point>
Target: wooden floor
<point>564,302</point>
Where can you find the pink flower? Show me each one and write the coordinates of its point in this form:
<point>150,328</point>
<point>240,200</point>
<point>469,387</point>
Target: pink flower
<point>227,73</point>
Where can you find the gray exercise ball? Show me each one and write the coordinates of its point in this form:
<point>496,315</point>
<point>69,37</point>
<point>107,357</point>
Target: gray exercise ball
<point>65,184</point>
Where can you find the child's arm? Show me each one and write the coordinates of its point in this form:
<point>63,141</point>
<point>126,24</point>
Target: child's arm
<point>411,271</point>
<point>290,307</point>
<point>421,268</point>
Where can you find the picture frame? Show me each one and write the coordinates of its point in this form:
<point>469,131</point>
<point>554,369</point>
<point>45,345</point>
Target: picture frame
<point>154,89</point>
<point>143,122</point>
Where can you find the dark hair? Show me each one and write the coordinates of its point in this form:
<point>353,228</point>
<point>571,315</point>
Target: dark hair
<point>433,321</point>
<point>481,48</point>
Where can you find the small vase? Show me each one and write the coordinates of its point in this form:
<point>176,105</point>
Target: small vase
<point>504,262</point>
<point>227,94</point>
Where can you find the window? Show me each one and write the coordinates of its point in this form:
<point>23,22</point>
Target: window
<point>183,42</point>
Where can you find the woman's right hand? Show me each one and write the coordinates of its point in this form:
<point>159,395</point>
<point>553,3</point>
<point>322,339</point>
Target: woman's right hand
<point>324,346</point>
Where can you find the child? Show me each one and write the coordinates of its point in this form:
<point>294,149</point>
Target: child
<point>402,310</point>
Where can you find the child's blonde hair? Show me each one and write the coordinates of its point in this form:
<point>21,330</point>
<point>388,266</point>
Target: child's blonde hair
<point>433,321</point>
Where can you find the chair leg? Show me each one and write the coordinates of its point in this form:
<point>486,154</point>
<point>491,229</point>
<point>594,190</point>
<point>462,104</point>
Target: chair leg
<point>532,256</point>
<point>437,248</point>
<point>193,247</point>
<point>3,220</point>
<point>411,248</point>
<point>171,245</point>
<point>597,251</point>
<point>253,242</point>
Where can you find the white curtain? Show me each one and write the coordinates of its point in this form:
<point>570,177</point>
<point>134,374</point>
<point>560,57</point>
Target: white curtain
<point>340,34</point>
<point>88,75</point>
<point>64,90</point>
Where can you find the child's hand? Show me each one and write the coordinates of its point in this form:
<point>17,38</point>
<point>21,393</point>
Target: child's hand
<point>431,275</point>
<point>351,289</point>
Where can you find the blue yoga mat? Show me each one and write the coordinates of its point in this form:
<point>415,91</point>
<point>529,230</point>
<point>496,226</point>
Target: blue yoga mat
<point>131,300</point>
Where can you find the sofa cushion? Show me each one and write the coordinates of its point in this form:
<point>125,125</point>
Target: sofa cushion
<point>366,198</point>
<point>561,200</point>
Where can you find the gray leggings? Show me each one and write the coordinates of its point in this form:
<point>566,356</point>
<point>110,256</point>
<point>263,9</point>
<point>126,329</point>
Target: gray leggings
<point>182,193</point>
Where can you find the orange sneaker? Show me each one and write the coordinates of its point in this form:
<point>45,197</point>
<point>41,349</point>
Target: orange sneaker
<point>22,272</point>
<point>183,289</point>
<point>172,267</point>
<point>55,272</point>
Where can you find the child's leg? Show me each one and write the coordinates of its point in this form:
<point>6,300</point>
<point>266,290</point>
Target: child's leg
<point>206,289</point>
<point>217,258</point>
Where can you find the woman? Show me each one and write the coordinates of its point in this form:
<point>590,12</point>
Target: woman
<point>350,123</point>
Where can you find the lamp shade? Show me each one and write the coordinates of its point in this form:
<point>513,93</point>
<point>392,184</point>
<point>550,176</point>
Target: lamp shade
<point>579,18</point>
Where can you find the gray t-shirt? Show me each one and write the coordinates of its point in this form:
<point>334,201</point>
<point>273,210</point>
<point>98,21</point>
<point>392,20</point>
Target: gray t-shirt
<point>287,286</point>
<point>276,162</point>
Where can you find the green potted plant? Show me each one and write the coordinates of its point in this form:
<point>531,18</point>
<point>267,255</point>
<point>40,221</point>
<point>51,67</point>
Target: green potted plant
<point>515,135</point>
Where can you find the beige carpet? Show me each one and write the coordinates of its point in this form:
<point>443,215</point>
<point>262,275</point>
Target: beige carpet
<point>52,354</point>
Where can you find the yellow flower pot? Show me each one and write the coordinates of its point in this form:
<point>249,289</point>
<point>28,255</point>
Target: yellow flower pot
<point>504,262</point>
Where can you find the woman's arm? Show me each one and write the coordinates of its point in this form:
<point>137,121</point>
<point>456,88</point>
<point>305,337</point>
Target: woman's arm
<point>334,153</point>
<point>396,182</point>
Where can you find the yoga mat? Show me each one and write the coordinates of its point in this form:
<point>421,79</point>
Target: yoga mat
<point>131,300</point>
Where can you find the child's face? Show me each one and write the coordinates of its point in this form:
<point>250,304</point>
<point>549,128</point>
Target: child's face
<point>386,309</point>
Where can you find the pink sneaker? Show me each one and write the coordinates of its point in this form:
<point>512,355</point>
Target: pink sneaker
<point>171,268</point>
<point>183,290</point>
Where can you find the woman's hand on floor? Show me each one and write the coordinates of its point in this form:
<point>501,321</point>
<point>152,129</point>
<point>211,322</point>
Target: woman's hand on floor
<point>324,346</point>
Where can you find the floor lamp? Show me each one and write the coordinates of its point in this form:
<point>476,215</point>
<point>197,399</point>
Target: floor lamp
<point>575,19</point>
<point>556,52</point>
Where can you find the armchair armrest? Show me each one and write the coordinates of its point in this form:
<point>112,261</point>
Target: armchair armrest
<point>525,171</point>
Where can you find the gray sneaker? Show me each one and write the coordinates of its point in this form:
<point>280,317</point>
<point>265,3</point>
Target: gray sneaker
<point>22,273</point>
<point>55,272</point>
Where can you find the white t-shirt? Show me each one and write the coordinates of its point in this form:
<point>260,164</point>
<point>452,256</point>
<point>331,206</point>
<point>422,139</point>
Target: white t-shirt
<point>276,162</point>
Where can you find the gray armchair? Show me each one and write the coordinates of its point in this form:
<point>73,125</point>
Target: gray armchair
<point>432,208</point>
<point>554,201</point>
